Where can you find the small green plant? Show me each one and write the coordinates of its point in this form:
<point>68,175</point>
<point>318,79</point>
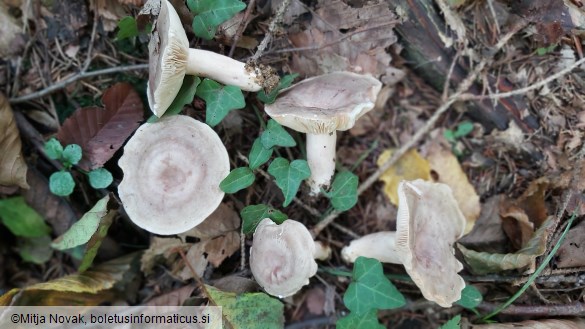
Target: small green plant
<point>541,51</point>
<point>61,183</point>
<point>463,129</point>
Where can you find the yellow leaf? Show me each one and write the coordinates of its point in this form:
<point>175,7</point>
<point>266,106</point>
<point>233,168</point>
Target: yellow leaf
<point>410,166</point>
<point>12,165</point>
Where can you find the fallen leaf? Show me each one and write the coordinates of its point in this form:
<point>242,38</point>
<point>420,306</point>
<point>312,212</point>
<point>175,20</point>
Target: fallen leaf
<point>532,200</point>
<point>571,252</point>
<point>110,12</point>
<point>101,132</point>
<point>487,233</point>
<point>166,247</point>
<point>174,298</point>
<point>11,38</point>
<point>315,300</point>
<point>236,284</point>
<point>12,165</point>
<point>223,220</point>
<point>536,324</point>
<point>516,224</point>
<point>222,247</point>
<point>196,262</point>
<point>21,219</point>
<point>410,166</point>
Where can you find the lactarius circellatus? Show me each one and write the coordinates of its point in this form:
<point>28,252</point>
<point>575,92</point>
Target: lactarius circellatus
<point>320,106</point>
<point>171,58</point>
<point>428,224</point>
<point>282,257</point>
<point>172,170</point>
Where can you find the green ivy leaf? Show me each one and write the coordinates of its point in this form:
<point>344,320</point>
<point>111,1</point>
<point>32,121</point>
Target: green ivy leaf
<point>259,154</point>
<point>370,289</point>
<point>21,219</point>
<point>252,215</point>
<point>237,179</point>
<point>127,28</point>
<point>61,183</point>
<point>453,323</point>
<point>71,155</point>
<point>276,135</point>
<point>53,149</point>
<point>463,129</point>
<point>100,178</point>
<point>284,82</point>
<point>289,176</point>
<point>209,14</point>
<point>470,297</point>
<point>185,95</point>
<point>220,100</point>
<point>343,192</point>
<point>367,320</point>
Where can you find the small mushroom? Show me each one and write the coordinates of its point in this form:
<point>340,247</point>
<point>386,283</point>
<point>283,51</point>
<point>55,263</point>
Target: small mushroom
<point>428,223</point>
<point>320,106</point>
<point>282,257</point>
<point>172,170</point>
<point>171,58</point>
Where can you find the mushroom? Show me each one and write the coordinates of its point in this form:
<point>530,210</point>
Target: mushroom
<point>282,257</point>
<point>320,106</point>
<point>428,223</point>
<point>172,170</point>
<point>171,58</point>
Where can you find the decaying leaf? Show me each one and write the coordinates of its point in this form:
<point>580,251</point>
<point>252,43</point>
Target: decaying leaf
<point>11,38</point>
<point>110,12</point>
<point>409,167</point>
<point>12,165</point>
<point>174,298</point>
<point>516,224</point>
<point>101,132</point>
<point>487,234</point>
<point>536,324</point>
<point>484,263</point>
<point>571,253</point>
<point>223,220</point>
<point>166,247</point>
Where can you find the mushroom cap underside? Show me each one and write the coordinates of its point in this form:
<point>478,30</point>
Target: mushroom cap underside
<point>325,103</point>
<point>172,170</point>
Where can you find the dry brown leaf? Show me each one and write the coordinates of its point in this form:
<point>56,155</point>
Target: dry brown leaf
<point>101,132</point>
<point>236,284</point>
<point>166,247</point>
<point>410,166</point>
<point>174,298</point>
<point>516,224</point>
<point>315,300</point>
<point>445,164</point>
<point>571,252</point>
<point>223,220</point>
<point>12,165</point>
<point>110,12</point>
<point>222,247</point>
<point>536,324</point>
<point>487,234</point>
<point>197,262</point>
<point>11,38</point>
<point>532,201</point>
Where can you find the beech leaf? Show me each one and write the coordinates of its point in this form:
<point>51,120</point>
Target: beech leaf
<point>12,166</point>
<point>101,132</point>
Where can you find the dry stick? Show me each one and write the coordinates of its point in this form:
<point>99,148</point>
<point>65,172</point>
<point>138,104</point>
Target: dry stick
<point>275,21</point>
<point>242,27</point>
<point>573,309</point>
<point>83,75</point>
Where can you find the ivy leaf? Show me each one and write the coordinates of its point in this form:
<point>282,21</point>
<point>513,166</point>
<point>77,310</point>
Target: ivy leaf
<point>61,183</point>
<point>470,297</point>
<point>185,95</point>
<point>53,149</point>
<point>284,82</point>
<point>237,179</point>
<point>370,289</point>
<point>453,323</point>
<point>220,100</point>
<point>209,14</point>
<point>343,192</point>
<point>289,176</point>
<point>463,129</point>
<point>21,219</point>
<point>100,178</point>
<point>127,28</point>
<point>367,320</point>
<point>252,215</point>
<point>71,155</point>
<point>276,135</point>
<point>259,154</point>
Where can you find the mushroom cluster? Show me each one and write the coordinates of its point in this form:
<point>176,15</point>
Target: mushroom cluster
<point>172,170</point>
<point>428,223</point>
<point>319,107</point>
<point>282,257</point>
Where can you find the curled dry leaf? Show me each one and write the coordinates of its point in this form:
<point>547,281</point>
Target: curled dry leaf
<point>101,132</point>
<point>12,165</point>
<point>571,253</point>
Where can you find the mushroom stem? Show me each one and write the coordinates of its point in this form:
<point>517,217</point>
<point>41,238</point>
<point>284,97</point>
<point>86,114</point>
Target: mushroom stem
<point>322,251</point>
<point>379,245</point>
<point>221,68</point>
<point>321,160</point>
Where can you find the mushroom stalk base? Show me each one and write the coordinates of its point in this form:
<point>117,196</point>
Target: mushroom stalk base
<point>379,245</point>
<point>321,160</point>
<point>221,68</point>
<point>322,251</point>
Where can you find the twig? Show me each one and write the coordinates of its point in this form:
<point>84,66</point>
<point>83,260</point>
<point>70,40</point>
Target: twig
<point>83,75</point>
<point>573,309</point>
<point>242,26</point>
<point>271,28</point>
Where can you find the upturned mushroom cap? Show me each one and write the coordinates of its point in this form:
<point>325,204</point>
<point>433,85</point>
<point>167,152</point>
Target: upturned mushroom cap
<point>326,103</point>
<point>428,223</point>
<point>281,257</point>
<point>172,170</point>
<point>168,48</point>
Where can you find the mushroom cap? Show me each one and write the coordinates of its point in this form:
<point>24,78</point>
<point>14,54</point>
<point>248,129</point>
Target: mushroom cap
<point>281,257</point>
<point>325,103</point>
<point>428,223</point>
<point>172,170</point>
<point>169,50</point>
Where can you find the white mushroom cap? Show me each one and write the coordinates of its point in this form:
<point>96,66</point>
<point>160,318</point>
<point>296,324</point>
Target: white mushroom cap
<point>281,257</point>
<point>325,103</point>
<point>172,170</point>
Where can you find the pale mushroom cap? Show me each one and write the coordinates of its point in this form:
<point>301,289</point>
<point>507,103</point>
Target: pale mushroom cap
<point>168,48</point>
<point>326,103</point>
<point>281,257</point>
<point>172,170</point>
<point>429,222</point>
